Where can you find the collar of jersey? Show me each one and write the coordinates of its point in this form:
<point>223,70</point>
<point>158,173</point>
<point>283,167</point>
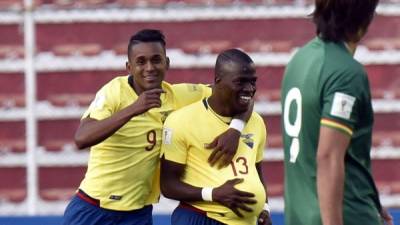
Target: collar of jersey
<point>224,119</point>
<point>341,44</point>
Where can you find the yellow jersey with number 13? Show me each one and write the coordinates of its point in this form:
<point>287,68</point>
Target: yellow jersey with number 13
<point>185,133</point>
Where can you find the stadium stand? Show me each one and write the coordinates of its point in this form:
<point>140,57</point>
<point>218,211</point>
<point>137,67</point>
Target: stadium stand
<point>75,55</point>
<point>10,5</point>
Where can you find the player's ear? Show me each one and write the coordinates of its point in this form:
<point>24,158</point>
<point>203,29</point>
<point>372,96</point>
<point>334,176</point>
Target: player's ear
<point>167,62</point>
<point>217,78</point>
<point>128,66</point>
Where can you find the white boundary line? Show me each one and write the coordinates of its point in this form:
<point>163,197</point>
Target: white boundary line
<point>108,60</point>
<point>46,111</point>
<point>165,207</point>
<point>172,13</point>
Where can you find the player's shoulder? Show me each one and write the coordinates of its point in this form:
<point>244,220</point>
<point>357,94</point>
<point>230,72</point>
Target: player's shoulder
<point>350,72</point>
<point>256,124</point>
<point>255,115</point>
<point>186,113</point>
<point>183,88</point>
<point>256,119</point>
<point>338,60</point>
<point>116,82</point>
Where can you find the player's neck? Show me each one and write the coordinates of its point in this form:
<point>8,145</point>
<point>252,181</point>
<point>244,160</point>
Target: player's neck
<point>220,107</point>
<point>351,47</point>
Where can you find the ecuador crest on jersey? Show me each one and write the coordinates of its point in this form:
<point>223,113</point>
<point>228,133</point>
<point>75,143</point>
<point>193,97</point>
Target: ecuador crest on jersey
<point>248,140</point>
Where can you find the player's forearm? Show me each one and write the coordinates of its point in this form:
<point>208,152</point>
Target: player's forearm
<point>172,186</point>
<point>181,191</point>
<point>330,185</point>
<point>92,132</point>
<point>261,176</point>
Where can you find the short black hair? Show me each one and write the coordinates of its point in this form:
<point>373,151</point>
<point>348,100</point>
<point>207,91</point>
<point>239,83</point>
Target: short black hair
<point>146,35</point>
<point>231,56</point>
<point>342,20</point>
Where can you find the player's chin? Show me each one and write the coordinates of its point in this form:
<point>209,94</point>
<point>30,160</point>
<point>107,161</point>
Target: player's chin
<point>153,85</point>
<point>241,107</point>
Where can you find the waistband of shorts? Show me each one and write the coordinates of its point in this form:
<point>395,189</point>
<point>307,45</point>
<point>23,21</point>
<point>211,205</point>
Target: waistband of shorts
<point>85,197</point>
<point>187,206</point>
<point>96,202</point>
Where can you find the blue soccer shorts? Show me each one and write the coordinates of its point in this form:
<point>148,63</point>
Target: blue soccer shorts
<point>80,211</point>
<point>185,214</point>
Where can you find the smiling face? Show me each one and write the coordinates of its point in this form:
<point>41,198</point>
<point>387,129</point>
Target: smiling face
<point>237,86</point>
<point>148,64</point>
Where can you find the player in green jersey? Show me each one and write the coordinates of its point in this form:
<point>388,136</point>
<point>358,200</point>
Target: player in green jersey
<point>327,123</point>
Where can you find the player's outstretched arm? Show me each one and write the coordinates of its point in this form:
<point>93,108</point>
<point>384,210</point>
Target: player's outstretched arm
<point>226,194</point>
<point>225,145</point>
<point>265,217</point>
<point>332,148</point>
<point>91,131</point>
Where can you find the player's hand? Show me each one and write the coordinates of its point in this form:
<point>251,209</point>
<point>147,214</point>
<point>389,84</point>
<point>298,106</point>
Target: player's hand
<point>224,148</point>
<point>147,100</point>
<point>388,219</point>
<point>232,198</point>
<point>264,218</point>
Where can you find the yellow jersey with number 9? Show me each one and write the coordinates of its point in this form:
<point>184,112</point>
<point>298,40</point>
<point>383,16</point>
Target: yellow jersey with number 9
<point>122,170</point>
<point>185,133</point>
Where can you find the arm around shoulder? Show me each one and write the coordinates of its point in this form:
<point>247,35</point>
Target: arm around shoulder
<point>225,145</point>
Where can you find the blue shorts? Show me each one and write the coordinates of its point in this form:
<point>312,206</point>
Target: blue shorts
<point>80,212</point>
<point>188,215</point>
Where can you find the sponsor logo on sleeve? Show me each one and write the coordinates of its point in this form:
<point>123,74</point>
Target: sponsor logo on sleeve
<point>342,105</point>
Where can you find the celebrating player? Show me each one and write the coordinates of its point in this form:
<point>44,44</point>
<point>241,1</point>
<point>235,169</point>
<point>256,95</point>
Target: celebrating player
<point>233,195</point>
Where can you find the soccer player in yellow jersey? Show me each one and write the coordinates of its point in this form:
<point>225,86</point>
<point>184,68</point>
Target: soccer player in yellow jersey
<point>123,128</point>
<point>233,195</point>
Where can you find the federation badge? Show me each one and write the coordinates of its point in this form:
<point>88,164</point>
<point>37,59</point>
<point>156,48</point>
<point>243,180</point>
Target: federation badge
<point>248,140</point>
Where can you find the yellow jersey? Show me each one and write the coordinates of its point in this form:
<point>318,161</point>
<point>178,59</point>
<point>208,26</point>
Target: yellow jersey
<point>123,170</point>
<point>185,134</point>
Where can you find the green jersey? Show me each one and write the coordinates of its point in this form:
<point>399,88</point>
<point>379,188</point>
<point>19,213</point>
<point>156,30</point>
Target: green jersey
<point>324,86</point>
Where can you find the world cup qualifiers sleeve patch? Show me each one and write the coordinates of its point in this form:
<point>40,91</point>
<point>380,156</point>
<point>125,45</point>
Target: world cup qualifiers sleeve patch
<point>342,105</point>
<point>99,100</point>
<point>167,136</point>
<point>193,87</point>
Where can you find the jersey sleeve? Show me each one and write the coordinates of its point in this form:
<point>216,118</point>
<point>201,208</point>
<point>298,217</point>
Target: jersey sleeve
<point>187,94</point>
<point>263,140</point>
<point>341,99</point>
<point>104,103</point>
<point>174,147</point>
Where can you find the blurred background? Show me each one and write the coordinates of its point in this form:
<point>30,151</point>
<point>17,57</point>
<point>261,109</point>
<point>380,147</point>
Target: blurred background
<point>55,54</point>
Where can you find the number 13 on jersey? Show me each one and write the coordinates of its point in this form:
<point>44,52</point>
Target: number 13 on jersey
<point>293,128</point>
